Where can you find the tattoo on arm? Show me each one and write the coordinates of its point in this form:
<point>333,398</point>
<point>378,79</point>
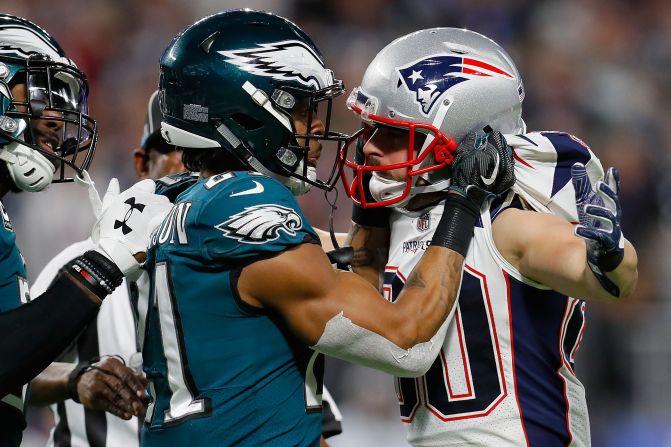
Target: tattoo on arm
<point>415,281</point>
<point>363,255</point>
<point>450,281</point>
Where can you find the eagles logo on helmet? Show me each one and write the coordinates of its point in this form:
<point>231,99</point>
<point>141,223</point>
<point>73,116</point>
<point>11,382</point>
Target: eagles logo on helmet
<point>270,71</point>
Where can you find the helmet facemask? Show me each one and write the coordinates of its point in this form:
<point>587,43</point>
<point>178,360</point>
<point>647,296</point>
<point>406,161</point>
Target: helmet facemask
<point>309,115</point>
<point>423,165</point>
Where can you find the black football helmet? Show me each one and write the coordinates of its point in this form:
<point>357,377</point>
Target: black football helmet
<point>232,80</point>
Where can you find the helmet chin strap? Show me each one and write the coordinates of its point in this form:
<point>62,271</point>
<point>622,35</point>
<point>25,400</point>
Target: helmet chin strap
<point>296,186</point>
<point>386,189</point>
<point>30,170</point>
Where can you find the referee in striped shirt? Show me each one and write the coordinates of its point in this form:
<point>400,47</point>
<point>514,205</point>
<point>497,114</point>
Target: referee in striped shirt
<point>110,343</point>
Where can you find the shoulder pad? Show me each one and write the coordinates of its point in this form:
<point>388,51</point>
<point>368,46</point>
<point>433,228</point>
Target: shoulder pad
<point>173,185</point>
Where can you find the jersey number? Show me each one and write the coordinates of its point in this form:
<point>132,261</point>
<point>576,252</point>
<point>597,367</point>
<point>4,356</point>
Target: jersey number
<point>182,402</point>
<point>466,380</point>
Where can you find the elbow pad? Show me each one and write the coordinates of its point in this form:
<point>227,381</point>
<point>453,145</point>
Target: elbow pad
<point>347,341</point>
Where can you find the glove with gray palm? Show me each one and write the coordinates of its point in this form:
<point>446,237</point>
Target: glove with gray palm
<point>600,215</point>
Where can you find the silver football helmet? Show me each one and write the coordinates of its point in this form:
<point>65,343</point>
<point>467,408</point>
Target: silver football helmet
<point>439,82</point>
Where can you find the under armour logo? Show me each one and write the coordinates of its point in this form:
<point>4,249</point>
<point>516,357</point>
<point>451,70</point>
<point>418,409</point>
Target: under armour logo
<point>125,229</point>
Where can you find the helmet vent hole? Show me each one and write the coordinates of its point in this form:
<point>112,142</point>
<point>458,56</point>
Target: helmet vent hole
<point>246,122</point>
<point>206,44</point>
<point>457,51</point>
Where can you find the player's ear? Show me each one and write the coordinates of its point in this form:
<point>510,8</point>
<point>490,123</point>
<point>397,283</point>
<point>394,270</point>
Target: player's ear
<point>141,162</point>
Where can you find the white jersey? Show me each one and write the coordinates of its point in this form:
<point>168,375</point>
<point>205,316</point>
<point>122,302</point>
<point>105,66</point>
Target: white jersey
<point>504,376</point>
<point>112,333</point>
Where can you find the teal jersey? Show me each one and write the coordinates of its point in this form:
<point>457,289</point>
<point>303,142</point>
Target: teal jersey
<point>223,372</point>
<point>14,291</point>
<point>13,282</point>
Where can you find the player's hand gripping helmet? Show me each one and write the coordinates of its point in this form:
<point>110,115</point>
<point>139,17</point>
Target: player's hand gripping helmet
<point>438,84</point>
<point>232,80</point>
<point>46,134</point>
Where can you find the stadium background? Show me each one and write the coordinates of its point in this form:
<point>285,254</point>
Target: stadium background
<point>596,68</point>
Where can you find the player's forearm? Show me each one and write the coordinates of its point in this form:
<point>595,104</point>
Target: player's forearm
<point>429,295</point>
<point>565,269</point>
<point>33,335</point>
<point>51,385</point>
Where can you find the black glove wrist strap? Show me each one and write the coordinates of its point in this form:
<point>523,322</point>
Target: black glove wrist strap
<point>455,229</point>
<point>604,263</point>
<point>608,261</point>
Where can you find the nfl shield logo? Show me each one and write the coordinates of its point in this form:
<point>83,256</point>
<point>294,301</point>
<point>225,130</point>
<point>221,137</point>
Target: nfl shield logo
<point>424,222</point>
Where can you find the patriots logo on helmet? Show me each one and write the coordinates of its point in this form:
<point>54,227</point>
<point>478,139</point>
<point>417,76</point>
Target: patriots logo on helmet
<point>430,77</point>
<point>261,223</point>
<point>286,60</point>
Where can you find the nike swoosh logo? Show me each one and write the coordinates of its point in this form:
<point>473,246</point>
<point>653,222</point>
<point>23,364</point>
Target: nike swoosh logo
<point>255,190</point>
<point>489,180</point>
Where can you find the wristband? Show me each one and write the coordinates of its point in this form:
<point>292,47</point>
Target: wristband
<point>96,272</point>
<point>74,376</point>
<point>599,265</point>
<point>607,262</point>
<point>455,229</point>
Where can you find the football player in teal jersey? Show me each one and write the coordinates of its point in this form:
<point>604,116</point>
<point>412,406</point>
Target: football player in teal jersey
<point>47,136</point>
<point>243,300</point>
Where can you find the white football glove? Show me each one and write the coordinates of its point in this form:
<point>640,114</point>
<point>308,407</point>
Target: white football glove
<point>126,221</point>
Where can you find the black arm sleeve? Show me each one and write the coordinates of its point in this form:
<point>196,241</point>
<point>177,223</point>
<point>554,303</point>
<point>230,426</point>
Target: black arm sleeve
<point>34,334</point>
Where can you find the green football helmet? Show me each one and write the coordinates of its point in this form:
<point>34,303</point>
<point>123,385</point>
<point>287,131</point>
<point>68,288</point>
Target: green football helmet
<point>232,80</point>
<point>46,134</point>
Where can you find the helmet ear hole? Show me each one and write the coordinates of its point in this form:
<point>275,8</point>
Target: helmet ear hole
<point>246,122</point>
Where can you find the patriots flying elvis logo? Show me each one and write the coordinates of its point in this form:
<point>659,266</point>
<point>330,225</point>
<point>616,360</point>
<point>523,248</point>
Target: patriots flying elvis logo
<point>261,223</point>
<point>285,60</point>
<point>430,77</point>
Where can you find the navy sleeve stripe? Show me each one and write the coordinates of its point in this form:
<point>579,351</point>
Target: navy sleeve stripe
<point>570,150</point>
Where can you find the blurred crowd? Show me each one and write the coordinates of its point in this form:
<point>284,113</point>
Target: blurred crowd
<point>595,68</point>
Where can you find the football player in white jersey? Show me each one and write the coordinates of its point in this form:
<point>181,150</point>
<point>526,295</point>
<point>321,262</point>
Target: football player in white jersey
<point>504,375</point>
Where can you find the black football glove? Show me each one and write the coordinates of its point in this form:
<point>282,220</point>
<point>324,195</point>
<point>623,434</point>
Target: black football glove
<point>485,163</point>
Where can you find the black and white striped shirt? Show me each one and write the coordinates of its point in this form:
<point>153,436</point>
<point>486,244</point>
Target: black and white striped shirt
<point>113,332</point>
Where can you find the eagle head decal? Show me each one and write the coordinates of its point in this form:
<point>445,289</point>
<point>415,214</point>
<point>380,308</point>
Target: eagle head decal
<point>261,223</point>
